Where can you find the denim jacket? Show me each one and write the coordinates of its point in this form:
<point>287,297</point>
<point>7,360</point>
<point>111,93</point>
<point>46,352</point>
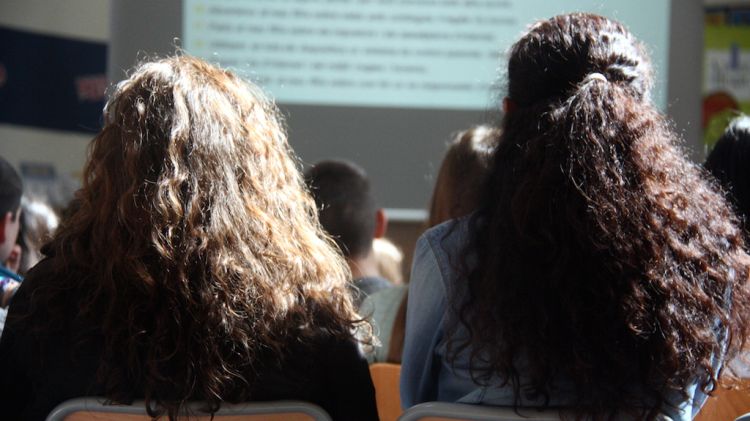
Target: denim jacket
<point>426,375</point>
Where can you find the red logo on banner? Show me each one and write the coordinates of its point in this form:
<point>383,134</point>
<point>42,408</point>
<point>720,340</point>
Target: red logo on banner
<point>3,75</point>
<point>91,88</point>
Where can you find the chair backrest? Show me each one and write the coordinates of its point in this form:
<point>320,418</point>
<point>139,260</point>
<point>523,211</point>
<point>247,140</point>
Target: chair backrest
<point>386,377</point>
<point>726,403</point>
<point>93,409</point>
<point>443,411</point>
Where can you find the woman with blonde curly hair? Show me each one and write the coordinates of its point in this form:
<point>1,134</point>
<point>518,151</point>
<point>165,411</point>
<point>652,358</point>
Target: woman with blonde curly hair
<point>193,268</point>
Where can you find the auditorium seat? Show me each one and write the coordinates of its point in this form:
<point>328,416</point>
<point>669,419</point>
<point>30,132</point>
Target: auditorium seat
<point>726,403</point>
<point>93,409</point>
<point>385,377</point>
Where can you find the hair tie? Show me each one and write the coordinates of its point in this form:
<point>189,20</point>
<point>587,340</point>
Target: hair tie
<point>596,75</point>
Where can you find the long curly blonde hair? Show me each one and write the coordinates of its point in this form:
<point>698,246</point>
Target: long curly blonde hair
<point>199,246</point>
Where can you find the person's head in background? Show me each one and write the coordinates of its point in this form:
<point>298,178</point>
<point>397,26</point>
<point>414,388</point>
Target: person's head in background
<point>462,173</point>
<point>457,188</point>
<point>194,228</point>
<point>348,212</point>
<point>11,190</point>
<point>603,255</point>
<point>729,162</point>
<point>390,260</point>
<point>38,224</point>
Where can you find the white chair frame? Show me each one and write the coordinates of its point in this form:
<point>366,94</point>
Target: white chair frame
<point>457,411</point>
<point>96,405</point>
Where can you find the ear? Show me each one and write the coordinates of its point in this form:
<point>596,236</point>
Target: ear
<point>509,105</point>
<point>13,262</point>
<point>4,221</point>
<point>381,223</point>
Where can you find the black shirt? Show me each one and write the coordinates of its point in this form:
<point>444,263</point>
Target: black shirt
<point>40,369</point>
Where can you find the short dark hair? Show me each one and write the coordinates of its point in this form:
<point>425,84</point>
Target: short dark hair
<point>11,188</point>
<point>346,206</point>
<point>728,162</point>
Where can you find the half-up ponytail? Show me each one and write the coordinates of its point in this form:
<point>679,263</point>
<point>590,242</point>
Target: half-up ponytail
<point>605,259</point>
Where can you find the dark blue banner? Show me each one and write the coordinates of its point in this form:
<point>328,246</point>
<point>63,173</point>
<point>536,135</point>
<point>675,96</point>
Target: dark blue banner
<point>51,82</point>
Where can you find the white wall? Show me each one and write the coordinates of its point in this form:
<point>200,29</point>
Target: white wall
<point>83,19</point>
<point>86,20</point>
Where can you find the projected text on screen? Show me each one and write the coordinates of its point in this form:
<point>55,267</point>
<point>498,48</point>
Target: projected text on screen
<point>385,53</point>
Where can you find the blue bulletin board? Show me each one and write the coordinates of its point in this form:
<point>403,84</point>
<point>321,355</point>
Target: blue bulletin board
<point>51,82</point>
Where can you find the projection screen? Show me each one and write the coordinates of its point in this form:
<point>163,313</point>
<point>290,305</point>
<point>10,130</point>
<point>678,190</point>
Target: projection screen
<point>385,83</point>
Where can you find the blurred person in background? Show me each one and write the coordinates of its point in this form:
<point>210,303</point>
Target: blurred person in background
<point>349,213</point>
<point>11,191</point>
<point>456,194</point>
<point>729,162</point>
<point>38,224</point>
<point>390,260</point>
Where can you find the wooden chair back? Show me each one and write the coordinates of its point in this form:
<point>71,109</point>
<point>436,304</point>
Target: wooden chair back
<point>727,403</point>
<point>386,378</point>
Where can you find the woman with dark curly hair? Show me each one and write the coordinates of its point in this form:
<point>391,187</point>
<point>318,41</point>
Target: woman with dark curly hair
<point>601,272</point>
<point>193,267</point>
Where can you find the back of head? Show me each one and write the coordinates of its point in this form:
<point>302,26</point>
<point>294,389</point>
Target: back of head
<point>462,173</point>
<point>604,257</point>
<point>729,162</point>
<point>11,188</point>
<point>345,203</point>
<point>555,56</point>
<point>10,203</point>
<point>390,260</point>
<point>38,223</point>
<point>193,242</point>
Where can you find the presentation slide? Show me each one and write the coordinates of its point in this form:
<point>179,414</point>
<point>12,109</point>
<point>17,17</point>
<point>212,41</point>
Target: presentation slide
<point>423,54</point>
<point>387,83</point>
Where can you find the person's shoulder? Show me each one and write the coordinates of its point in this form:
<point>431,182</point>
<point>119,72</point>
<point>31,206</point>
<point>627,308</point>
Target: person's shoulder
<point>453,231</point>
<point>42,282</point>
<point>350,391</point>
<point>447,243</point>
<point>38,275</point>
<point>383,303</point>
<point>394,293</point>
<point>372,284</point>
<point>332,350</point>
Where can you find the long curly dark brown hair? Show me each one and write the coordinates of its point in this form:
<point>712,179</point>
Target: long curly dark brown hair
<point>606,260</point>
<point>200,248</point>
